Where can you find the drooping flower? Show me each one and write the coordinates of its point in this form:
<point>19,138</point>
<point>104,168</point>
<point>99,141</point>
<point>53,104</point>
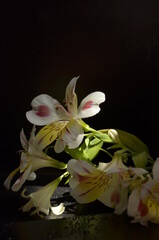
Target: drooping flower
<point>40,200</point>
<point>143,202</point>
<point>108,182</point>
<point>48,111</point>
<point>31,159</point>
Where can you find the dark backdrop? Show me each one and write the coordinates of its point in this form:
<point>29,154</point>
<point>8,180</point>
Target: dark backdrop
<point>113,45</point>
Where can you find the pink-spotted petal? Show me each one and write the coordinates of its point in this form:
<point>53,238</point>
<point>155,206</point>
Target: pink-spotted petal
<point>90,187</point>
<point>80,167</point>
<point>45,110</point>
<point>80,170</point>
<point>90,105</point>
<point>115,196</point>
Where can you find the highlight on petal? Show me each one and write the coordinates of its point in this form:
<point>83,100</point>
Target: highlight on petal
<point>32,176</point>
<point>44,110</point>
<point>90,105</point>
<point>58,210</point>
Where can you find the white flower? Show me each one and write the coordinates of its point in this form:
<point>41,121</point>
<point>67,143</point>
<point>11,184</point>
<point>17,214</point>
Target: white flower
<point>143,202</point>
<point>40,200</point>
<point>48,111</point>
<point>31,159</point>
<point>108,182</point>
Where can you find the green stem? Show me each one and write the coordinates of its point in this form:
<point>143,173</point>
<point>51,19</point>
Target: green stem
<point>106,152</point>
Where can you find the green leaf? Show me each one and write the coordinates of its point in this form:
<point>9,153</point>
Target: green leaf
<point>95,141</point>
<point>132,142</point>
<point>140,160</point>
<point>103,137</point>
<point>87,153</point>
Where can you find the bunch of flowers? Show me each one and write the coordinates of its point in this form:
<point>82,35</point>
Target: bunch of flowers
<point>127,178</point>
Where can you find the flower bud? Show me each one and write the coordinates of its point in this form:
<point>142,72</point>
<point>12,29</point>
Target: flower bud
<point>113,134</point>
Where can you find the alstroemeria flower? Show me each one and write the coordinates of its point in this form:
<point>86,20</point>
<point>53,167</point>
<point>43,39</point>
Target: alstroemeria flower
<point>31,159</point>
<point>40,200</point>
<point>47,110</point>
<point>108,182</point>
<point>143,202</point>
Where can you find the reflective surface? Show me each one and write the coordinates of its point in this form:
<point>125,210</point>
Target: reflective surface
<point>89,221</point>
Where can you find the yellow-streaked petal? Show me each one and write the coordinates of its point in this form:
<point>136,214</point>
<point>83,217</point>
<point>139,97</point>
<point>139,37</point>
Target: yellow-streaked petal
<point>153,209</point>
<point>38,163</point>
<point>48,134</point>
<point>90,188</point>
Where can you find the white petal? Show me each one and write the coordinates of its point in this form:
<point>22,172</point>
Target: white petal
<point>23,140</point>
<point>9,178</point>
<point>59,146</point>
<point>155,170</point>
<point>72,134</point>
<point>23,161</point>
<point>58,210</point>
<point>31,176</point>
<point>71,166</point>
<point>71,97</point>
<point>80,167</point>
<point>20,181</point>
<point>133,202</point>
<point>71,87</point>
<point>75,143</point>
<point>103,166</point>
<point>73,182</point>
<point>139,171</point>
<point>115,165</point>
<point>45,110</point>
<point>90,105</point>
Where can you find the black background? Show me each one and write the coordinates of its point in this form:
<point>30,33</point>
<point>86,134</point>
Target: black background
<point>112,45</point>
